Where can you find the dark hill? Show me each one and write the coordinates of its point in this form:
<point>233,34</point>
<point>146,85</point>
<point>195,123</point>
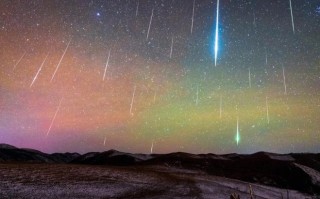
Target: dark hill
<point>293,171</point>
<point>12,154</point>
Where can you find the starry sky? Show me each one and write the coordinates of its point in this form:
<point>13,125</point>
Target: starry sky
<point>140,75</point>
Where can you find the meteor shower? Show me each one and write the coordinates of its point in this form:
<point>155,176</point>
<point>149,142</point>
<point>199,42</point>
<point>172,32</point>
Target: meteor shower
<point>161,77</point>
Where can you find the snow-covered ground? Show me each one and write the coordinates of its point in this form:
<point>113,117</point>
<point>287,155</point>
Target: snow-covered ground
<point>81,181</point>
<point>315,175</point>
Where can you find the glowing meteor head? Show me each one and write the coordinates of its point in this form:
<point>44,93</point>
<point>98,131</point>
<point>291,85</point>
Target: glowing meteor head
<point>238,133</point>
<point>237,138</point>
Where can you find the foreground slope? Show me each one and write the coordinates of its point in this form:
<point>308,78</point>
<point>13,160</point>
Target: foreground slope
<point>152,182</point>
<point>290,171</point>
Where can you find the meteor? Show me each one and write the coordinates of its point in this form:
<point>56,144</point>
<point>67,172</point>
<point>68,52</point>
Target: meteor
<point>216,40</point>
<point>266,58</point>
<point>267,108</point>
<point>150,23</point>
<point>254,20</point>
<point>57,67</point>
<point>134,91</point>
<point>104,141</point>
<point>54,117</point>
<point>137,9</point>
<point>284,81</point>
<point>151,149</point>
<point>171,49</point>
<point>35,77</point>
<point>292,21</point>
<point>192,18</point>
<point>107,64</point>
<point>19,61</point>
<point>220,106</point>
<point>249,78</point>
<point>238,133</point>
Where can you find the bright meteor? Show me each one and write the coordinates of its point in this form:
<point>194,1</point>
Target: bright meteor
<point>107,64</point>
<point>134,91</point>
<point>150,24</point>
<point>36,76</point>
<point>54,117</point>
<point>192,18</point>
<point>292,21</point>
<point>151,148</point>
<point>57,67</point>
<point>19,60</point>
<point>216,39</point>
<point>238,133</point>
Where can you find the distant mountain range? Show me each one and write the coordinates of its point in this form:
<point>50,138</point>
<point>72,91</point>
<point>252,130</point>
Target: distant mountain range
<point>290,171</point>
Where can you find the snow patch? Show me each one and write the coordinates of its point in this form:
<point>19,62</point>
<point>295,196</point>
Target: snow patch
<point>281,157</point>
<point>315,175</point>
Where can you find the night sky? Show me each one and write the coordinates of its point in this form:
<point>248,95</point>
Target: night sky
<point>140,75</point>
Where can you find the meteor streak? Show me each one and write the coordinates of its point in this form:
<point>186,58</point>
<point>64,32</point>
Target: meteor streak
<point>57,67</point>
<point>266,58</point>
<point>249,78</point>
<point>284,81</point>
<point>107,64</point>
<point>151,149</point>
<point>171,49</point>
<point>220,106</point>
<point>216,40</point>
<point>192,18</point>
<point>292,21</point>
<point>35,77</point>
<point>254,20</point>
<point>150,24</point>
<point>134,91</point>
<point>238,133</point>
<point>104,141</point>
<point>19,60</point>
<point>267,108</point>
<point>197,99</point>
<point>54,117</point>
<point>137,9</point>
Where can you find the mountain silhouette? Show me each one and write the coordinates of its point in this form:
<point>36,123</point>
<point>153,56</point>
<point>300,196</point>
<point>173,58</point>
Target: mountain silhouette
<point>289,171</point>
